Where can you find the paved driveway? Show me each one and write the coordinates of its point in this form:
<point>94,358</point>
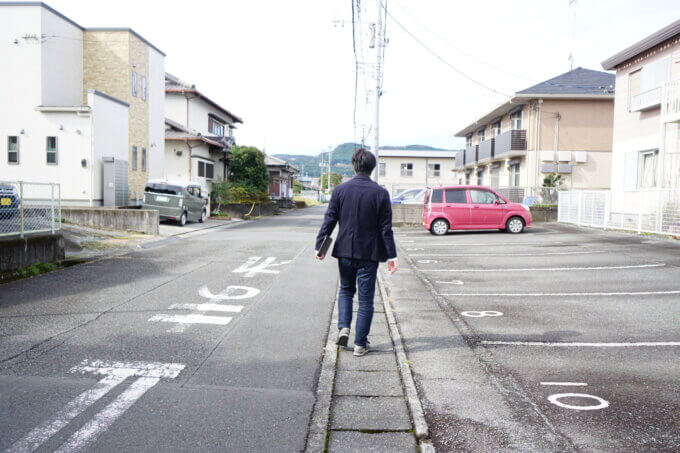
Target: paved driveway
<point>572,337</point>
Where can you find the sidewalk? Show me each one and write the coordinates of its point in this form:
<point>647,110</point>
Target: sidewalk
<point>367,403</point>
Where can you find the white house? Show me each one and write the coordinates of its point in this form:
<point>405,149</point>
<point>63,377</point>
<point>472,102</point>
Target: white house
<point>402,169</point>
<point>198,136</point>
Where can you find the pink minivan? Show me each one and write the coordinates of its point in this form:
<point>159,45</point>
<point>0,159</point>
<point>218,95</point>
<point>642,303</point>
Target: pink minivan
<point>472,208</point>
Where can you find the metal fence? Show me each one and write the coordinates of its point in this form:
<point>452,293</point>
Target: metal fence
<point>530,195</point>
<point>647,211</point>
<point>27,207</point>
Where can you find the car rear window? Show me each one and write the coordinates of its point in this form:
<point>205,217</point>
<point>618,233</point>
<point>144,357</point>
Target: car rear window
<point>164,189</point>
<point>456,196</point>
<point>437,196</point>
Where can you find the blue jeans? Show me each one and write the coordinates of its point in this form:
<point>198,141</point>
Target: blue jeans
<point>352,273</point>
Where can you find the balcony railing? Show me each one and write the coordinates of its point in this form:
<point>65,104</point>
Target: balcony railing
<point>486,149</point>
<point>510,144</point>
<point>645,101</point>
<point>460,160</point>
<point>470,155</point>
<point>671,101</point>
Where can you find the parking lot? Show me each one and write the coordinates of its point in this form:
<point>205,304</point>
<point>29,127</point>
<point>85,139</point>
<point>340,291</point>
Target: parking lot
<point>578,329</point>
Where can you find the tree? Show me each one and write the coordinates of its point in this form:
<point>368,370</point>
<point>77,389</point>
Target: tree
<point>336,179</point>
<point>249,179</point>
<point>221,194</point>
<point>297,187</point>
<point>552,180</point>
<point>551,183</point>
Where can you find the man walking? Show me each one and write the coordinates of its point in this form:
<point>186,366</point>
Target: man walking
<point>365,238</point>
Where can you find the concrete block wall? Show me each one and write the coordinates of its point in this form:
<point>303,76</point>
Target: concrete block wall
<point>407,214</point>
<point>18,253</point>
<point>137,220</point>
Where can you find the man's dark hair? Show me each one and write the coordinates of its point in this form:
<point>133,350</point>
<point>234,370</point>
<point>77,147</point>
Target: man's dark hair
<point>363,161</point>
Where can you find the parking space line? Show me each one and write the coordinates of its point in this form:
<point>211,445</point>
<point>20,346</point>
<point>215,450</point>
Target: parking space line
<point>566,384</point>
<point>551,269</point>
<point>491,255</point>
<point>634,293</point>
<point>581,344</point>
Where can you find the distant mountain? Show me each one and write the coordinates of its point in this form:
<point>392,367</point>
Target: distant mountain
<point>341,158</point>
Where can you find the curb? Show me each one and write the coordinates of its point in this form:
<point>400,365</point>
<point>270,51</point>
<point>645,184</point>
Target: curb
<point>318,425</point>
<point>415,407</point>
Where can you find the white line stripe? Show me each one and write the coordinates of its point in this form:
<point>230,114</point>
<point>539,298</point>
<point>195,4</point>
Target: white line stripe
<point>565,384</point>
<point>492,244</point>
<point>550,269</point>
<point>454,282</point>
<point>42,433</point>
<point>493,255</point>
<point>639,293</point>
<point>104,419</point>
<point>207,307</point>
<point>581,345</point>
<point>192,319</point>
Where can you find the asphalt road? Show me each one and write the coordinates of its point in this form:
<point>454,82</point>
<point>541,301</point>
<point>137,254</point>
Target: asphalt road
<point>574,332</point>
<point>211,342</point>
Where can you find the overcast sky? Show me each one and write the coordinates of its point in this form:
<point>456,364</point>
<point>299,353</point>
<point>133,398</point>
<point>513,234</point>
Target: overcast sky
<point>287,68</point>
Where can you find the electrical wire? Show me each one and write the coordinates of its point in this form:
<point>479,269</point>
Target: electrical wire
<point>438,57</point>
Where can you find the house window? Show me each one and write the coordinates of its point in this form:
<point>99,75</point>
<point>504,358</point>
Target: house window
<point>134,83</point>
<point>51,150</point>
<point>480,135</point>
<point>143,88</point>
<point>381,169</point>
<point>516,121</point>
<point>143,159</point>
<point>480,177</point>
<point>468,175</point>
<point>134,158</point>
<point>209,170</point>
<point>215,127</point>
<point>514,175</point>
<point>433,170</point>
<point>406,169</point>
<point>201,169</point>
<point>13,149</point>
<point>496,128</point>
<point>468,140</point>
<point>648,162</point>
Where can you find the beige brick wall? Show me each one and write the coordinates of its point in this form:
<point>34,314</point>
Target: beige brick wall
<point>110,58</point>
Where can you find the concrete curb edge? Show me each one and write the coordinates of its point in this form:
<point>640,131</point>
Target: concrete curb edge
<point>415,407</point>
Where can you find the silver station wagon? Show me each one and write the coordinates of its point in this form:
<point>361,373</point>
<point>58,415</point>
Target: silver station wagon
<point>178,201</point>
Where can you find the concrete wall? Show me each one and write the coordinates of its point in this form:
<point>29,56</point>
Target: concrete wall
<point>543,214</point>
<point>407,214</point>
<point>138,220</point>
<point>62,61</point>
<point>18,253</point>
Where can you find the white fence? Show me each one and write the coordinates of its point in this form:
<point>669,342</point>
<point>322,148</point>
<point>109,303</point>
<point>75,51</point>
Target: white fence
<point>649,211</point>
<point>27,207</point>
<point>529,195</point>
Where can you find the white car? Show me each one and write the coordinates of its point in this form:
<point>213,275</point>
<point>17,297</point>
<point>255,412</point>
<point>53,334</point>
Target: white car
<point>410,196</point>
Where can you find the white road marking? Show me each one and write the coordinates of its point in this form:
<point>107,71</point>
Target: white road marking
<point>453,282</point>
<point>207,307</point>
<point>552,269</point>
<point>192,319</point>
<point>636,293</point>
<point>251,267</point>
<point>148,373</point>
<point>428,261</point>
<point>38,436</point>
<point>581,344</point>
<point>490,244</point>
<point>601,403</point>
<point>493,255</point>
<point>482,314</point>
<point>566,384</point>
<point>248,292</point>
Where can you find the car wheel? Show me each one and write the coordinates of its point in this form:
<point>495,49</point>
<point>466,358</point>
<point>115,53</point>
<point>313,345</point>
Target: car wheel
<point>182,219</point>
<point>514,225</point>
<point>203,216</point>
<point>439,227</point>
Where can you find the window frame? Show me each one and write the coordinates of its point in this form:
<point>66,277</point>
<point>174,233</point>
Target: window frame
<point>407,169</point>
<point>641,168</point>
<point>481,135</point>
<point>135,90</point>
<point>213,122</point>
<point>434,170</point>
<point>382,168</point>
<point>209,170</point>
<point>54,151</point>
<point>514,173</point>
<point>468,140</point>
<point>16,151</point>
<point>133,162</point>
<point>496,128</point>
<point>516,121</point>
<point>201,169</point>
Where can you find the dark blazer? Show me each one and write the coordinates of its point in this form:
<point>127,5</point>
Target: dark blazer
<point>364,212</point>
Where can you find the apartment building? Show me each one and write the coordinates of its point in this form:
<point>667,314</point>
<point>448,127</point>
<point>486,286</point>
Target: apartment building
<point>646,150</point>
<point>83,102</point>
<point>562,125</point>
<point>199,135</point>
<point>402,169</point>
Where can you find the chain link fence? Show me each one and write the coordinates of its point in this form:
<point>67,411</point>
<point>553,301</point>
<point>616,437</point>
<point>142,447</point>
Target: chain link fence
<point>27,207</point>
<point>647,211</point>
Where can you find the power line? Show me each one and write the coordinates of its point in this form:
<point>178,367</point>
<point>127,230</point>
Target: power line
<point>438,57</point>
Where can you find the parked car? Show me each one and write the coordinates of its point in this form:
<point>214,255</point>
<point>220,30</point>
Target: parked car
<point>410,196</point>
<point>9,201</point>
<point>472,208</point>
<point>178,201</point>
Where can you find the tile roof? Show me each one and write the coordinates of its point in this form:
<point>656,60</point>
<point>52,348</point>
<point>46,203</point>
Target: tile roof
<point>577,81</point>
<point>174,84</point>
<point>276,162</point>
<point>179,132</point>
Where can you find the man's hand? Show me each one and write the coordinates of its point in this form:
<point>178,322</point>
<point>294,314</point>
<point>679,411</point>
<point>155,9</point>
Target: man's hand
<point>320,257</point>
<point>392,266</point>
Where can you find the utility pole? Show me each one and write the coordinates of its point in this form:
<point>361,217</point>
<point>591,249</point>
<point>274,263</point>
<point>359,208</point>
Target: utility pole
<point>330,150</point>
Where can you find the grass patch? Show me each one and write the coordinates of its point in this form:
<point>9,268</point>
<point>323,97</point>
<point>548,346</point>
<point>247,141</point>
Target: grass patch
<point>307,201</point>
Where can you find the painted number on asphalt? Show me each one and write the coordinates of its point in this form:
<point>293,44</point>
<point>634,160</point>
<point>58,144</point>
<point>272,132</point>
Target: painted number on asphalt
<point>482,314</point>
